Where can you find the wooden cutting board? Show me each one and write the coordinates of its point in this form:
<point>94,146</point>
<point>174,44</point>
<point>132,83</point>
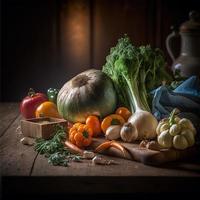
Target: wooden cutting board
<point>147,156</point>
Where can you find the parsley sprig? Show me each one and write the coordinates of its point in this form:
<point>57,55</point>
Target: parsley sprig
<point>54,148</point>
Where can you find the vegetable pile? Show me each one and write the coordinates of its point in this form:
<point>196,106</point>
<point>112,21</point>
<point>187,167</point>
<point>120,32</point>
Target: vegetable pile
<point>135,71</point>
<point>113,103</point>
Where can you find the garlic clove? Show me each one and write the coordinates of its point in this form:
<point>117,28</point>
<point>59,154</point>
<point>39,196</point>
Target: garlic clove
<point>100,160</point>
<point>165,139</point>
<point>27,141</point>
<point>88,154</point>
<point>164,127</point>
<point>180,142</point>
<point>175,129</point>
<point>189,136</point>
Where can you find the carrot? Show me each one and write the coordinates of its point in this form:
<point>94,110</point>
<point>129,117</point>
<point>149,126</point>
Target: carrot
<point>103,146</point>
<point>73,148</point>
<point>118,146</point>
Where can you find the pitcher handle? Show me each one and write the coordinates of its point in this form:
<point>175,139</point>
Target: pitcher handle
<point>173,43</point>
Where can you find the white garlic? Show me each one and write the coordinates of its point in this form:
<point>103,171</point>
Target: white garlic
<point>27,141</point>
<point>102,161</point>
<point>88,154</point>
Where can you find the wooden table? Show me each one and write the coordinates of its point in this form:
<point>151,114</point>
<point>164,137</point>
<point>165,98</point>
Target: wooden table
<point>23,170</point>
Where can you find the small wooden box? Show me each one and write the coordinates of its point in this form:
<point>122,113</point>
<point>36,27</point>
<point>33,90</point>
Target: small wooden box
<point>41,127</point>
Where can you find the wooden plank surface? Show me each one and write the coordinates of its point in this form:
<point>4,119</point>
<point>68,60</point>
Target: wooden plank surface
<point>8,113</point>
<point>125,168</point>
<point>21,167</point>
<point>148,156</point>
<point>16,159</point>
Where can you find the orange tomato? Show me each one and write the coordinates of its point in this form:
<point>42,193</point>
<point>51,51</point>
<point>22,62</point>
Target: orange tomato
<point>94,123</point>
<point>47,109</point>
<point>124,112</point>
<point>80,135</point>
<point>113,119</point>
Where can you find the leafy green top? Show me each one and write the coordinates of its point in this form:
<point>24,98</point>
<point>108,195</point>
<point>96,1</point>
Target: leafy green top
<point>54,148</point>
<point>135,71</point>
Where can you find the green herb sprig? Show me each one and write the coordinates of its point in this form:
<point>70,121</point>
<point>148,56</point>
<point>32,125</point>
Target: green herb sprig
<point>54,148</point>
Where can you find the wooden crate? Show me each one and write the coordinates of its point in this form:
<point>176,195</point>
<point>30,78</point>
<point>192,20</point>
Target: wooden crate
<point>41,127</point>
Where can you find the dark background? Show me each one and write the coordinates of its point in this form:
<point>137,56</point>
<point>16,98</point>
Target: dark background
<point>44,43</point>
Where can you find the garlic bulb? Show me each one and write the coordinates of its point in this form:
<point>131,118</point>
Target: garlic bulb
<point>128,132</point>
<point>113,132</point>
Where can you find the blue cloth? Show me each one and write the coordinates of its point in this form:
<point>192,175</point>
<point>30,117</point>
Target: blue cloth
<point>190,87</point>
<point>186,97</point>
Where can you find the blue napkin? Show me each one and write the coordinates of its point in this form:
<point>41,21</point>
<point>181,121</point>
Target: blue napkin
<point>186,97</point>
<point>190,87</point>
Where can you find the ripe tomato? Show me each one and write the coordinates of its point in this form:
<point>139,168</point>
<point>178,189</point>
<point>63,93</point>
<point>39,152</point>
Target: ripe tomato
<point>30,103</point>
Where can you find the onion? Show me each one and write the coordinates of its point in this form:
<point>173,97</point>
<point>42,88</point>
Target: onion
<point>145,124</point>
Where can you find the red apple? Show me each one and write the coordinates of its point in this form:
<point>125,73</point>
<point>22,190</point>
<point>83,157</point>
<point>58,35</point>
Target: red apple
<point>30,103</point>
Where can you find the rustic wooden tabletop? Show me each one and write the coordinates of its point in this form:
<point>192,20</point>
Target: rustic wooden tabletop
<point>21,163</point>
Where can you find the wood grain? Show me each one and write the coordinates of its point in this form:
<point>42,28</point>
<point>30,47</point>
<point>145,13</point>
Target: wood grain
<point>8,113</point>
<point>35,129</point>
<point>16,158</point>
<point>125,168</point>
<point>148,156</point>
<point>74,20</point>
<point>21,167</point>
<point>58,39</point>
<point>112,20</point>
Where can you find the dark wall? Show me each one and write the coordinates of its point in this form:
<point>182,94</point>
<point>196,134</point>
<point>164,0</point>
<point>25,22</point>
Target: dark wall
<point>45,43</point>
